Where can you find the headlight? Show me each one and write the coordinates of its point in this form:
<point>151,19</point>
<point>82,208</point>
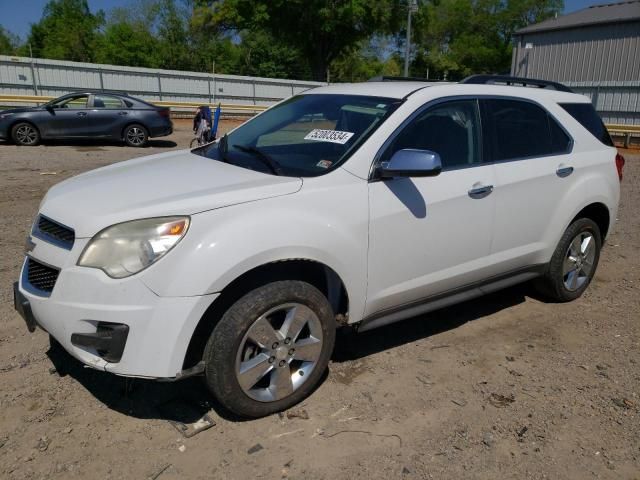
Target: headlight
<point>5,115</point>
<point>127,248</point>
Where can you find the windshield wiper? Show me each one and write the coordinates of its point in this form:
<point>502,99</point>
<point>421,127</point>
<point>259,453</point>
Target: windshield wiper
<point>273,165</point>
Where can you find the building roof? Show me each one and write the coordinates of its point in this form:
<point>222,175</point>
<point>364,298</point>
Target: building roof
<point>597,14</point>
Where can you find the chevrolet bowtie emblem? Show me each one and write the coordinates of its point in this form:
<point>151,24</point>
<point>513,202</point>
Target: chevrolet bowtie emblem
<point>29,245</point>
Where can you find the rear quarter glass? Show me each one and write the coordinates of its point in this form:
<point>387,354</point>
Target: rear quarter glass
<point>589,119</point>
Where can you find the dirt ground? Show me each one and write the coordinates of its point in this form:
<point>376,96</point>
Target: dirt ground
<point>506,386</point>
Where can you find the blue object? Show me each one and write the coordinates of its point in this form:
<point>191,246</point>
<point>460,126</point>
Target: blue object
<point>216,118</point>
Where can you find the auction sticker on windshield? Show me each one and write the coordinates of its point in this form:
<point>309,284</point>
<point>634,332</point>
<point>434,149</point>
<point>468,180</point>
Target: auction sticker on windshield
<point>333,136</point>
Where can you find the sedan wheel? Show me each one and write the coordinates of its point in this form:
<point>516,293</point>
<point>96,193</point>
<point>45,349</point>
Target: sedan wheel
<point>25,134</point>
<point>135,136</point>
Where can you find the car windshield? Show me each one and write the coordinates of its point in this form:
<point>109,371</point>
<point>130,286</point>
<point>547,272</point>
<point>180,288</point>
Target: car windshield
<point>306,135</point>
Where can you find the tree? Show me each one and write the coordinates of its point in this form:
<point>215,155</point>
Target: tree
<point>456,38</point>
<point>128,43</point>
<point>8,42</point>
<point>366,61</point>
<point>321,30</point>
<point>66,31</point>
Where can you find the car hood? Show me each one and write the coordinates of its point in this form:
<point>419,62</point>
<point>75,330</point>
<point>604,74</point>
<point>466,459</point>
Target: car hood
<point>174,183</point>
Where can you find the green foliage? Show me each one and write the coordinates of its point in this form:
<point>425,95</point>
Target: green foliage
<point>353,39</point>
<point>8,42</point>
<point>128,43</point>
<point>455,38</point>
<point>364,62</point>
<point>320,30</point>
<point>67,31</point>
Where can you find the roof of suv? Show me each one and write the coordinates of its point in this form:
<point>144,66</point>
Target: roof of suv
<point>401,90</point>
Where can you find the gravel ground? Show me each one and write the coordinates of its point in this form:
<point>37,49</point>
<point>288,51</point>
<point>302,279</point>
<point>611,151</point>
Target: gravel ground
<point>506,386</point>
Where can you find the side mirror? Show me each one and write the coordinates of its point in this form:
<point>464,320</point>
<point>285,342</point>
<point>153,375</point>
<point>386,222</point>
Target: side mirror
<point>49,107</point>
<point>411,163</point>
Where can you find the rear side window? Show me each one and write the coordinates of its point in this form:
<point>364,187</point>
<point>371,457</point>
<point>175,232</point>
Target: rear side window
<point>515,129</point>
<point>589,119</point>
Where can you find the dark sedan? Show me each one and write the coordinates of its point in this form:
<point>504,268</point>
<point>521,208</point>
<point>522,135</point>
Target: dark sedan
<point>110,116</point>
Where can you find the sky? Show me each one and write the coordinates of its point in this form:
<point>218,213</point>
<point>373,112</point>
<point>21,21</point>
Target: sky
<point>16,16</point>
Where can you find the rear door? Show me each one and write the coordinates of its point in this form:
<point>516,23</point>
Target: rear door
<point>107,116</point>
<point>430,235</point>
<point>533,168</point>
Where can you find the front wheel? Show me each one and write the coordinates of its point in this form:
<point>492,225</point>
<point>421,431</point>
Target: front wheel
<point>26,134</point>
<point>573,263</point>
<point>136,136</point>
<point>270,349</point>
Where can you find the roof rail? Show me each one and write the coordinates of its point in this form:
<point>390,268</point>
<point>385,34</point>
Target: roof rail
<point>518,81</point>
<point>385,78</point>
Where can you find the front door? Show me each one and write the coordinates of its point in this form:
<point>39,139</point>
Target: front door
<point>68,118</point>
<point>430,235</point>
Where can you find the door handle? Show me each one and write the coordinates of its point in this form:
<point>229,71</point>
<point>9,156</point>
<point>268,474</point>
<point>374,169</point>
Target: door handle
<point>564,171</point>
<point>82,114</point>
<point>122,113</point>
<point>481,192</point>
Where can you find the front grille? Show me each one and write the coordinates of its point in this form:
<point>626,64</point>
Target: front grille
<point>54,232</point>
<point>41,277</point>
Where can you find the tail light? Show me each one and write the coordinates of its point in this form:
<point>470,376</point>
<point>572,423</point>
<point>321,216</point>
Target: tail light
<point>619,165</point>
<point>164,113</point>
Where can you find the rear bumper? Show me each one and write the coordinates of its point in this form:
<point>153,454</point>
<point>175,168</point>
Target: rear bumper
<point>161,131</point>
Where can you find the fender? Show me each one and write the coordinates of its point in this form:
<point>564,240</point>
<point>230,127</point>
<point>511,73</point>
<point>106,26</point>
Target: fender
<point>586,189</point>
<point>223,244</point>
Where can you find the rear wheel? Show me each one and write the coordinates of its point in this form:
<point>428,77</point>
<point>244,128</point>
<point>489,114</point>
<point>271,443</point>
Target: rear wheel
<point>136,136</point>
<point>573,263</point>
<point>270,349</point>
<point>24,133</point>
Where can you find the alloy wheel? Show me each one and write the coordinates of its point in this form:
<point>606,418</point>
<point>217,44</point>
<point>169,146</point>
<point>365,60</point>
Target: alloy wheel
<point>279,352</point>
<point>135,136</point>
<point>578,262</point>
<point>26,134</point>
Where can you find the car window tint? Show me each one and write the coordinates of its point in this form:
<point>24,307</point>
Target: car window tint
<point>589,119</point>
<point>75,103</point>
<point>106,101</point>
<point>450,129</point>
<point>516,129</point>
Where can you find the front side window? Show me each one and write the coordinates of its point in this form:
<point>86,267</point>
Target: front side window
<point>106,101</point>
<point>76,103</point>
<point>515,129</point>
<point>307,135</point>
<point>450,129</point>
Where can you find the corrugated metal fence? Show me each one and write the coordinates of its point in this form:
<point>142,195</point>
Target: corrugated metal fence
<point>616,102</point>
<point>25,76</point>
<point>600,61</point>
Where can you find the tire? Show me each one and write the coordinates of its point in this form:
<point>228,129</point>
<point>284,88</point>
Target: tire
<point>136,136</point>
<point>25,134</point>
<point>253,338</point>
<point>573,263</point>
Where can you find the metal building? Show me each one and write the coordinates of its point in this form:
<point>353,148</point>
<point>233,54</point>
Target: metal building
<point>595,51</point>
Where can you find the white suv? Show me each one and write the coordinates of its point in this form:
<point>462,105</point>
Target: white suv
<point>357,205</point>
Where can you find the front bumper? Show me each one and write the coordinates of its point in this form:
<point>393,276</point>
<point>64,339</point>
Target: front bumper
<point>87,313</point>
